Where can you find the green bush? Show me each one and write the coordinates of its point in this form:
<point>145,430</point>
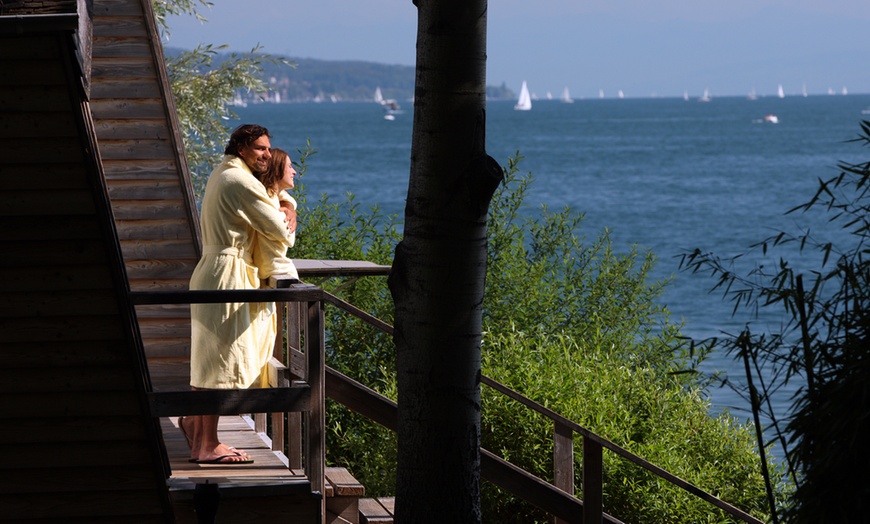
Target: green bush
<point>344,231</point>
<point>571,324</point>
<point>576,326</point>
<point>651,415</point>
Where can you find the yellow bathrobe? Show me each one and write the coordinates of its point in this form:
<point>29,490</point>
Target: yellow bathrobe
<point>270,257</point>
<point>231,343</point>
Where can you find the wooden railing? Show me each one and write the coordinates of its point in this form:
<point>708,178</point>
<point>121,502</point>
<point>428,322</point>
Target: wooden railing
<point>301,396</point>
<point>556,498</point>
<point>292,413</point>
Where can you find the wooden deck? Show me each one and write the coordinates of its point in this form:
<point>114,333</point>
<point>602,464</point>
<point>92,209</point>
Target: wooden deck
<point>238,431</point>
<point>257,492</point>
<point>246,489</point>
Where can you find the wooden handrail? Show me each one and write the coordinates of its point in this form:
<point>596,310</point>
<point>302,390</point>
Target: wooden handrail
<point>365,401</point>
<point>378,408</point>
<point>230,402</point>
<point>296,293</point>
<point>558,500</point>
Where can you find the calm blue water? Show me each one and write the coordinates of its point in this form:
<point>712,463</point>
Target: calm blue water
<point>666,174</point>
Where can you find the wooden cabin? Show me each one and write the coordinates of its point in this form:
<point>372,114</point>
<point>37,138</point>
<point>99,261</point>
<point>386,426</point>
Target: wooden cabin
<point>98,206</point>
<point>100,236</point>
<point>82,444</point>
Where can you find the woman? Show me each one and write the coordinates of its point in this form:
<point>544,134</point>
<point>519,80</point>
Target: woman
<point>270,256</point>
<point>231,343</point>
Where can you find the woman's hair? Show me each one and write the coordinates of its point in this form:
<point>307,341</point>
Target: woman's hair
<point>244,136</point>
<point>271,176</point>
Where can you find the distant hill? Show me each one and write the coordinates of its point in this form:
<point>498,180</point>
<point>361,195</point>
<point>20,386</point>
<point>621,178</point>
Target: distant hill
<point>340,80</point>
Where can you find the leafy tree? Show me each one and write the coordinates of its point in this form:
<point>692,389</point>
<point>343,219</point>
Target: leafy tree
<point>203,90</point>
<point>822,346</point>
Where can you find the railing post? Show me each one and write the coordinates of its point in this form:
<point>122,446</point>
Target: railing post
<point>279,425</point>
<point>293,327</point>
<point>315,443</point>
<point>593,480</point>
<point>563,461</point>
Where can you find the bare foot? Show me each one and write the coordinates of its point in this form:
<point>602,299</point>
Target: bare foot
<point>224,454</point>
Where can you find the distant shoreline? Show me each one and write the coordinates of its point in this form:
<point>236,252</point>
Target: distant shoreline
<point>313,80</point>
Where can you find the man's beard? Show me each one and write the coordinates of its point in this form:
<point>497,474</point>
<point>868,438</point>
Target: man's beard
<point>255,168</point>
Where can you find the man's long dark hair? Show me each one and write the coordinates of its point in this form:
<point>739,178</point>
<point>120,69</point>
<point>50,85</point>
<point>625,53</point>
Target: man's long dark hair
<point>244,136</point>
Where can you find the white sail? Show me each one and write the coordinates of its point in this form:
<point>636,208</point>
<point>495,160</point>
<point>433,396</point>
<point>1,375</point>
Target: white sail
<point>566,96</point>
<point>779,92</point>
<point>379,97</point>
<point>525,101</point>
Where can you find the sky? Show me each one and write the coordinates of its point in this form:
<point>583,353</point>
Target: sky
<point>640,47</point>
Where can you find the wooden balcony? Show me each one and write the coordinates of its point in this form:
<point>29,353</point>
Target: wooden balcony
<point>280,424</point>
<point>282,427</point>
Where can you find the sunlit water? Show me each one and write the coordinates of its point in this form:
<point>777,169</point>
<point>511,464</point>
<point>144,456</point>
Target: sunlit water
<point>668,175</point>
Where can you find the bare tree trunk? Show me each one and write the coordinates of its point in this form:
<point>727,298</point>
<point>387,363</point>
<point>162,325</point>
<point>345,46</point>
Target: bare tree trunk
<point>439,269</point>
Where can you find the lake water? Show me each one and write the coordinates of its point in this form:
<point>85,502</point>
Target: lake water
<point>668,175</point>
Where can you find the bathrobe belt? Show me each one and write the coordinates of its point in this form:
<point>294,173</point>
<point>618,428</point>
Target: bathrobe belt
<point>227,250</point>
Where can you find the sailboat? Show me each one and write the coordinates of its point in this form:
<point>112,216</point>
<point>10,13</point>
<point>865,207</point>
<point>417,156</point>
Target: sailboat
<point>391,107</point>
<point>566,96</point>
<point>706,96</point>
<point>525,101</point>
<point>779,92</point>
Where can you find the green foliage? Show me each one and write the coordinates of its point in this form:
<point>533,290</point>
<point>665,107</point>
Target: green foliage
<point>650,414</point>
<point>822,345</point>
<point>203,90</point>
<point>593,345</point>
<point>164,8</point>
<point>545,278</point>
<point>575,326</point>
<point>344,231</point>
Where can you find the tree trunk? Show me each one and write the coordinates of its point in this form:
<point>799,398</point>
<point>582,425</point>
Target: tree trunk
<point>438,275</point>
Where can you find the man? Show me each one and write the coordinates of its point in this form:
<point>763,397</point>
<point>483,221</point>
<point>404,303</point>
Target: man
<point>231,343</point>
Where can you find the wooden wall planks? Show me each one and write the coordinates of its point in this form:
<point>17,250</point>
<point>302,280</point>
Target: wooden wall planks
<point>155,215</point>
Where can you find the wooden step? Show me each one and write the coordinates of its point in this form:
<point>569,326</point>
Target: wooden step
<point>377,510</point>
<point>342,496</point>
